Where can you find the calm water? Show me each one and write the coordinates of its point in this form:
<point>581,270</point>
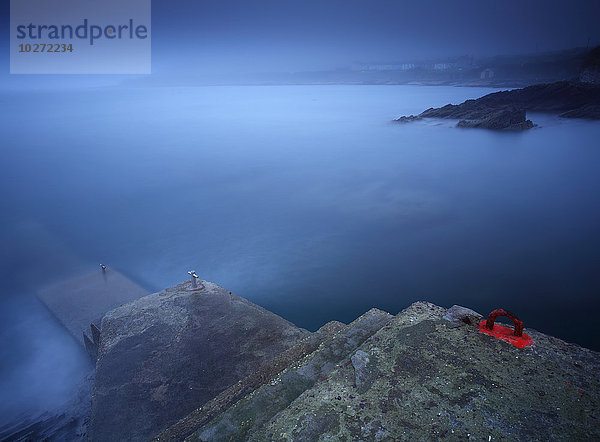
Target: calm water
<point>305,200</point>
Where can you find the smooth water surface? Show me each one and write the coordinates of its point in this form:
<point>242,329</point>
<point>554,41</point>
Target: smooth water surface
<point>307,200</point>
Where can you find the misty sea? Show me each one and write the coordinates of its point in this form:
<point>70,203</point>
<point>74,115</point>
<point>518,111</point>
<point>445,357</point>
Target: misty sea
<point>307,200</point>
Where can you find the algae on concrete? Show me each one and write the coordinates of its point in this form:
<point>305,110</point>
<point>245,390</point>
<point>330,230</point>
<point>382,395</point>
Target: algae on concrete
<point>216,367</point>
<point>436,381</point>
<point>248,416</point>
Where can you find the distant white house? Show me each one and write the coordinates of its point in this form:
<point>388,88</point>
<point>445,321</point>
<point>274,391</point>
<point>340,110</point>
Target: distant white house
<point>487,74</point>
<point>386,67</point>
<point>590,75</point>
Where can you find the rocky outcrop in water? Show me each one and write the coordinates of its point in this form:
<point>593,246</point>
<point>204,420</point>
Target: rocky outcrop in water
<point>506,110</point>
<point>509,119</point>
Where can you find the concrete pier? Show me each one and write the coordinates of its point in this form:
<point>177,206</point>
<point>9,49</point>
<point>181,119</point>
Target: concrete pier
<point>81,302</point>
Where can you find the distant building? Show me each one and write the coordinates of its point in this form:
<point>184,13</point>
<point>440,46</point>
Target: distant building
<point>441,66</point>
<point>487,74</point>
<point>590,75</point>
<point>386,67</point>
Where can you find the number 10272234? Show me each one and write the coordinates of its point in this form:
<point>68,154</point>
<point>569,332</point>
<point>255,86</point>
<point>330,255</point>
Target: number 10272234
<point>41,47</point>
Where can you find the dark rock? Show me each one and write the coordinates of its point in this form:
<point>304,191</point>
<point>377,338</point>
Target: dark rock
<point>166,354</point>
<point>460,316</point>
<point>590,112</point>
<point>405,119</point>
<point>505,119</point>
<point>507,109</point>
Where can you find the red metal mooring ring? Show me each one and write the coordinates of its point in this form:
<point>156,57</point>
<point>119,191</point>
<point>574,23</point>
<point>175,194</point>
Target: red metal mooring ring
<point>514,337</point>
<point>489,324</point>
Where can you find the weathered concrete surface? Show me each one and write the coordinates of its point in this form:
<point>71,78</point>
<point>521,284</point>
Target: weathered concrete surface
<point>254,381</point>
<point>247,417</point>
<point>209,365</point>
<point>421,378</point>
<point>81,301</point>
<point>164,355</point>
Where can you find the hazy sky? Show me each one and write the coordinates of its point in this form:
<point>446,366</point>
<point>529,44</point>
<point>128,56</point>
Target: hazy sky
<point>292,35</point>
<point>311,34</point>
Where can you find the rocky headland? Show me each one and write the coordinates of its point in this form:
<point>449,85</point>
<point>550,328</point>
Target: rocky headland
<point>507,110</point>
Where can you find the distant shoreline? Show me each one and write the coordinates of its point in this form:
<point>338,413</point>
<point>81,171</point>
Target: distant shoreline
<point>507,110</point>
